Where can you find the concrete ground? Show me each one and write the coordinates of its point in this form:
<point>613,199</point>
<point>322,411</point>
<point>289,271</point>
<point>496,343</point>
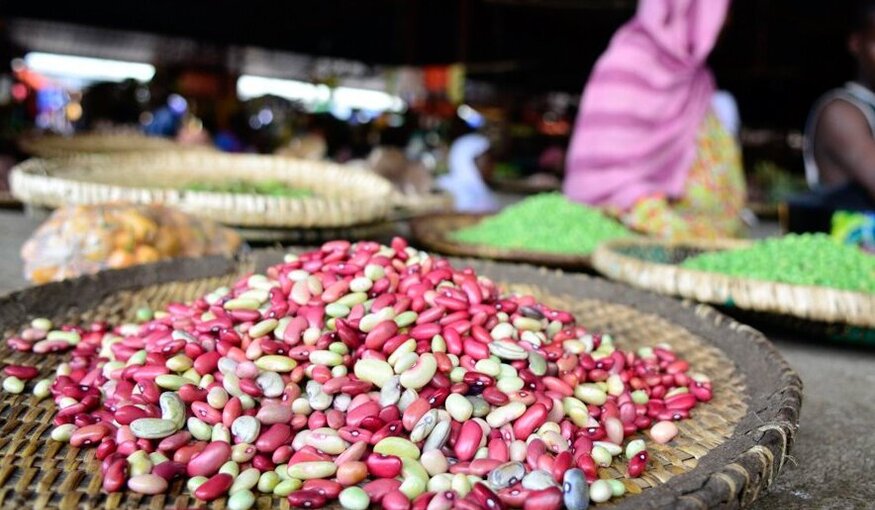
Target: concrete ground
<point>833,460</point>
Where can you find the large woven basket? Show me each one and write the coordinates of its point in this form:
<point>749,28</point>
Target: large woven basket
<point>433,233</point>
<point>342,196</point>
<point>653,265</point>
<point>421,204</point>
<point>727,454</point>
<point>95,143</point>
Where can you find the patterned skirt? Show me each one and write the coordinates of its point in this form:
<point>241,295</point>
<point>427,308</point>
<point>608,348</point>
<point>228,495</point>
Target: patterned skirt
<point>713,198</point>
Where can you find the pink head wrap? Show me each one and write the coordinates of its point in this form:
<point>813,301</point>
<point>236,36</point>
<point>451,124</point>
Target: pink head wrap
<point>641,110</point>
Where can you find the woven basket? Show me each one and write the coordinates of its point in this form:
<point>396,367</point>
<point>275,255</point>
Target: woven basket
<point>342,196</point>
<point>46,146</point>
<point>652,265</point>
<point>380,230</point>
<point>421,204</point>
<point>433,233</point>
<point>726,455</point>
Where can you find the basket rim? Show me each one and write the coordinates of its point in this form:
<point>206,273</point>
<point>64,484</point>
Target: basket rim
<point>731,475</point>
<point>423,230</point>
<point>720,289</point>
<point>48,182</point>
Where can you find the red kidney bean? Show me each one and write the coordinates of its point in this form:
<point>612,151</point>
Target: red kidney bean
<point>395,500</point>
<point>425,331</point>
<point>546,499</point>
<point>22,372</point>
<point>477,379</point>
<point>482,467</point>
<point>355,416</point>
<point>534,417</point>
<point>215,487</point>
<point>190,393</point>
<point>90,434</point>
<point>327,488</point>
<point>169,470</point>
<point>422,501</point>
<point>380,334</point>
<point>390,429</point>
<point>208,461</point>
<point>378,488</point>
<point>414,412</point>
<point>637,464</point>
<point>175,441</point>
<point>282,454</point>
<point>561,463</point>
<point>485,497</point>
<point>115,476</point>
<point>682,401</point>
<point>263,463</point>
<point>383,466</point>
<point>468,441</point>
<point>184,453</point>
<point>308,454</point>
<point>438,397</point>
<point>272,438</point>
<point>588,466</point>
<point>106,448</point>
<point>354,434</point>
<point>307,499</point>
<point>233,409</point>
<point>702,392</point>
<point>495,396</point>
<point>514,496</point>
<point>498,450</point>
<point>204,412</point>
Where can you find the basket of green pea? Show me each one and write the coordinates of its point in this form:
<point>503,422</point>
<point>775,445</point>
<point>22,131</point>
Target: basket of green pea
<point>545,229</point>
<point>809,276</point>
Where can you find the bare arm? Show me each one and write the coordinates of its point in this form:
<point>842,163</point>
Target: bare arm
<point>845,137</point>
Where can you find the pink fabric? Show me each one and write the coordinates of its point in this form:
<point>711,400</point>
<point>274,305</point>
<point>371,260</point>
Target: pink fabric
<point>641,109</point>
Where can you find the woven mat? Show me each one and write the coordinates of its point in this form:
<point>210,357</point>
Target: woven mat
<point>37,472</point>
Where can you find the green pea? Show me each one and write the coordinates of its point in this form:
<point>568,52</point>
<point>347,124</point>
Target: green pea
<point>806,259</point>
<point>547,222</point>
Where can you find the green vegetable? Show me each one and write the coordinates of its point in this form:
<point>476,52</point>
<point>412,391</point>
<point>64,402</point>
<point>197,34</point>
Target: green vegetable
<point>270,187</point>
<point>548,223</point>
<point>806,259</point>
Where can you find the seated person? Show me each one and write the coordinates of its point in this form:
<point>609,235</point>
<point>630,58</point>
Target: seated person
<point>654,142</point>
<point>839,146</point>
<point>470,164</point>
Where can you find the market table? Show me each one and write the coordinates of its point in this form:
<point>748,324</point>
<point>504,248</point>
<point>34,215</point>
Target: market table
<point>834,449</point>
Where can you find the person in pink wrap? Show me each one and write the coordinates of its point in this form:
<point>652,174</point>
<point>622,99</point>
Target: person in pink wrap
<point>651,144</point>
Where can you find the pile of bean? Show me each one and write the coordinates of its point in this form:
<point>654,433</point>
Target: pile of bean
<point>806,259</point>
<point>366,374</point>
<point>548,222</point>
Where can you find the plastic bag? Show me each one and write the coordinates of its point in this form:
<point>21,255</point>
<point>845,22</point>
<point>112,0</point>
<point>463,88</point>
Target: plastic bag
<point>78,240</point>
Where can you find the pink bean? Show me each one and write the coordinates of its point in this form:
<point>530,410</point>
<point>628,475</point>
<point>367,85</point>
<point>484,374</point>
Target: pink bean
<point>272,438</point>
<point>147,484</point>
<point>468,441</point>
<point>210,459</point>
<point>22,372</point>
<point>215,487</point>
<point>90,434</point>
<point>271,414</point>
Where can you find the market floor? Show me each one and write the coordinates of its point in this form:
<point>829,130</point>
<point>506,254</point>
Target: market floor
<point>833,459</point>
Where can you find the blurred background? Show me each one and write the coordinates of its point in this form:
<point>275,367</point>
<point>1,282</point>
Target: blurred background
<point>335,78</point>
